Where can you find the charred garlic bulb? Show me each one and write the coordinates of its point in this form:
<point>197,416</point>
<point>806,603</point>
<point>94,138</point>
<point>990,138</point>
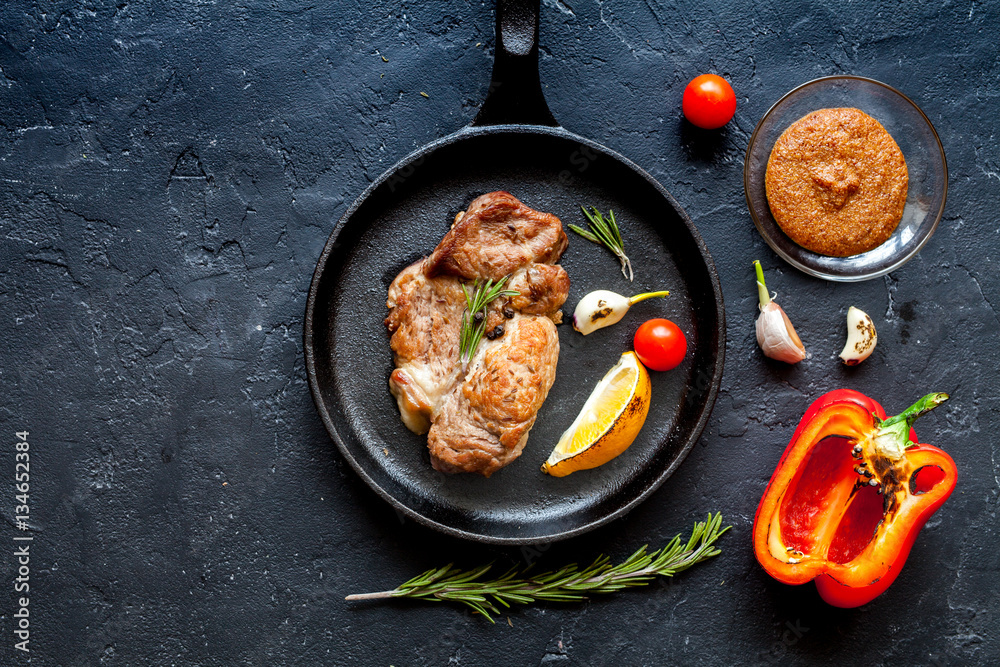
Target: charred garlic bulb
<point>861,337</point>
<point>775,333</point>
<point>603,308</point>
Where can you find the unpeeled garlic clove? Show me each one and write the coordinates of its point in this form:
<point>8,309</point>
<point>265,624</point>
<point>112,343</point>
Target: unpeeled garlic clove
<point>602,308</point>
<point>861,337</point>
<point>775,334</point>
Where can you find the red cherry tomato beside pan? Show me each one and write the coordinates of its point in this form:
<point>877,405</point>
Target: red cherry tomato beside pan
<point>709,101</point>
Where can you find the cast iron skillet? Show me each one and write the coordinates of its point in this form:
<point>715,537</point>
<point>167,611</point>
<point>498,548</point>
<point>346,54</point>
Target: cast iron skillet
<point>514,144</point>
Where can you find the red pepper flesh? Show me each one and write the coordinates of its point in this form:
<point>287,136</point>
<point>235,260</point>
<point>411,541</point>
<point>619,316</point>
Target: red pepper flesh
<point>848,497</point>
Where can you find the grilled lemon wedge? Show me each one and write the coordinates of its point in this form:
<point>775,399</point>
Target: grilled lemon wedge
<point>609,421</point>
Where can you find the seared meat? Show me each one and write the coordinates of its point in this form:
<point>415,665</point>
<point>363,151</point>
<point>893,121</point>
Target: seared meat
<point>496,236</point>
<point>425,316</point>
<point>478,417</point>
<point>543,289</point>
<point>484,424</point>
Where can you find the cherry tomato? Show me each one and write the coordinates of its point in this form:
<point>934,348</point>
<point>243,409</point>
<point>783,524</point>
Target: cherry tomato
<point>709,101</point>
<point>660,344</point>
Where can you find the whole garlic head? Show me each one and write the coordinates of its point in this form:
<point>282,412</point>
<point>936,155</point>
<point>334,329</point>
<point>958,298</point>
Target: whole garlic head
<point>861,337</point>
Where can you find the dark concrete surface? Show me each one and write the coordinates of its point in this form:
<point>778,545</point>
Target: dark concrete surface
<point>169,172</point>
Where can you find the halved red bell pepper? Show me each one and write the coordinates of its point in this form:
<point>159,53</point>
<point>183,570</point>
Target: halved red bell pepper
<point>849,496</point>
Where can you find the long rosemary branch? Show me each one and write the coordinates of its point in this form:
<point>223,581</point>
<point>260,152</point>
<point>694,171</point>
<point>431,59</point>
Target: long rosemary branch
<point>569,583</point>
<point>476,301</point>
<point>605,232</point>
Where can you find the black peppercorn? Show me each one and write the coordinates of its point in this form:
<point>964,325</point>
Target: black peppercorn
<point>478,317</point>
<point>508,312</point>
<point>498,331</point>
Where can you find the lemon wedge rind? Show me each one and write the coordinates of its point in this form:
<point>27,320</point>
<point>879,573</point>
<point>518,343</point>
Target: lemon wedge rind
<point>609,421</point>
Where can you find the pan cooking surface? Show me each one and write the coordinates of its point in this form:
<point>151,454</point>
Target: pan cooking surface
<point>401,220</point>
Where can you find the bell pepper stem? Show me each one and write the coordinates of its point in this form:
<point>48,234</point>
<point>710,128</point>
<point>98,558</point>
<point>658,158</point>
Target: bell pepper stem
<point>921,407</point>
<point>894,432</point>
<point>762,293</point>
<point>647,295</point>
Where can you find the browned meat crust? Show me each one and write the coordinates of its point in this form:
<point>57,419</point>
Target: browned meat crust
<point>497,236</point>
<point>478,417</point>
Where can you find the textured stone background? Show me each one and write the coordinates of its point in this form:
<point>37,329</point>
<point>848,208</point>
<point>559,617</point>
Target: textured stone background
<point>169,172</point>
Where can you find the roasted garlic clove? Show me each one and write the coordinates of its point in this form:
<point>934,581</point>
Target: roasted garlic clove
<point>775,334</point>
<point>603,308</point>
<point>861,337</point>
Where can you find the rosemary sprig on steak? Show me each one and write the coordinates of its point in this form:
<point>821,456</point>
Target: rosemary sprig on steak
<point>604,231</point>
<point>474,317</point>
<point>566,584</point>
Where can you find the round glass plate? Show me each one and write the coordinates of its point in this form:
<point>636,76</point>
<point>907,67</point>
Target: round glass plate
<point>925,161</point>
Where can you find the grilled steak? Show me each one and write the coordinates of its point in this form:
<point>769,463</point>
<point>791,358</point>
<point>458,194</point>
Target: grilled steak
<point>477,416</point>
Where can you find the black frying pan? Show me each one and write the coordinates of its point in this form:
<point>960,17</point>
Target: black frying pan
<point>514,144</point>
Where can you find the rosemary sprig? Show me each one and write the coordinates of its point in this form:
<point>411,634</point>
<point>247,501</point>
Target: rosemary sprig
<point>569,583</point>
<point>474,327</point>
<point>605,232</point>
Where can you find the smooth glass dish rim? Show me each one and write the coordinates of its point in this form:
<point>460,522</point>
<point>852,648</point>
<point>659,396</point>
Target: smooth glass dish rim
<point>806,268</point>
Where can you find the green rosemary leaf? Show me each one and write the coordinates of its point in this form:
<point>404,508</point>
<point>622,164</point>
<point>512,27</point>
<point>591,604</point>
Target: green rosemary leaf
<point>477,301</point>
<point>585,234</point>
<point>473,574</point>
<point>482,610</point>
<point>605,232</point>
<point>427,577</point>
<point>566,584</point>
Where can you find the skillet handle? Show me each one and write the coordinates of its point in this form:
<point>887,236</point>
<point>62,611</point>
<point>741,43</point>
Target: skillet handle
<point>515,94</point>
